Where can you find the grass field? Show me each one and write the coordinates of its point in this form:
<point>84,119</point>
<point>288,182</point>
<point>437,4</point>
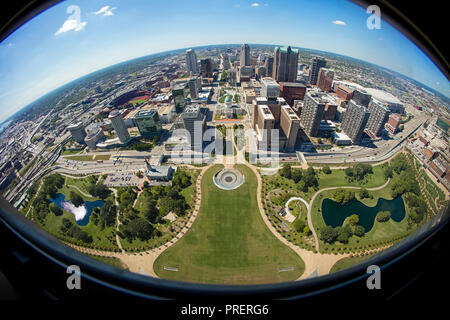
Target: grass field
<point>347,262</point>
<point>229,242</point>
<point>102,157</point>
<point>81,158</point>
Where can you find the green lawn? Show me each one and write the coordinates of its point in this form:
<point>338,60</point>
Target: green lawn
<point>80,158</point>
<point>344,263</point>
<point>102,157</point>
<point>337,179</point>
<point>229,242</point>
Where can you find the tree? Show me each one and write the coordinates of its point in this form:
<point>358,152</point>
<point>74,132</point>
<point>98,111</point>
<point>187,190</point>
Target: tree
<point>181,179</point>
<point>328,234</point>
<point>388,172</point>
<point>343,196</point>
<point>297,175</point>
<point>306,231</point>
<point>299,225</point>
<point>326,169</point>
<point>55,209</point>
<point>76,199</point>
<point>138,228</point>
<point>343,234</point>
<point>363,193</point>
<point>286,171</point>
<point>353,219</point>
<point>383,216</point>
<point>359,231</point>
<point>99,190</point>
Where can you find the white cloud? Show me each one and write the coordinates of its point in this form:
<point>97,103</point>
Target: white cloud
<point>255,4</point>
<point>105,11</point>
<point>71,24</point>
<point>339,23</point>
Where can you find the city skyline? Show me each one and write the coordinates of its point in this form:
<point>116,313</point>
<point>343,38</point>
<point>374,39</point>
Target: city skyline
<point>71,48</point>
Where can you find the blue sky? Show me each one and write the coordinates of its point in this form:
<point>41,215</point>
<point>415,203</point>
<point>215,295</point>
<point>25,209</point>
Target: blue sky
<point>53,49</point>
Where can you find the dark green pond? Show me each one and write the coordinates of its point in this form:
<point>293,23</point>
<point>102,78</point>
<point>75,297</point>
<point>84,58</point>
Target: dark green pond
<point>334,213</point>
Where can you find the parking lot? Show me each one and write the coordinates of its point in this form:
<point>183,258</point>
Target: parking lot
<point>121,179</point>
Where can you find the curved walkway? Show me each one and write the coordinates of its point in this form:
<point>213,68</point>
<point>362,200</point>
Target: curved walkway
<point>293,199</point>
<point>142,262</point>
<point>316,264</point>
<point>310,224</point>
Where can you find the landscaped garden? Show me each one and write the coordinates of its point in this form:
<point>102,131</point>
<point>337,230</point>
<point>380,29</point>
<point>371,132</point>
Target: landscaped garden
<point>363,230</point>
<point>229,243</point>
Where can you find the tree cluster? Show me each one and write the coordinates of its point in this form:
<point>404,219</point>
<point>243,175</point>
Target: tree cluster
<point>343,196</point>
<point>303,178</point>
<point>71,230</point>
<point>358,172</point>
<point>383,216</point>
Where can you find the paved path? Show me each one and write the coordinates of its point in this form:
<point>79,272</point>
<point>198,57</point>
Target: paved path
<point>286,208</point>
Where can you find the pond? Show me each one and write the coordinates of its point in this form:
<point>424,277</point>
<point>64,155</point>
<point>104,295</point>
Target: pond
<point>81,213</point>
<point>334,213</point>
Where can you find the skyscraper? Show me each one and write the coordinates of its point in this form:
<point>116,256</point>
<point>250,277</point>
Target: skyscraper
<point>119,125</point>
<point>361,97</point>
<point>379,115</point>
<point>285,64</point>
<point>312,112</point>
<point>355,121</point>
<point>245,55</point>
<point>78,132</point>
<point>194,122</point>
<point>148,123</point>
<point>191,62</point>
<point>325,79</point>
<point>317,63</point>
<point>269,88</point>
<point>269,66</point>
<point>206,68</point>
<point>193,88</point>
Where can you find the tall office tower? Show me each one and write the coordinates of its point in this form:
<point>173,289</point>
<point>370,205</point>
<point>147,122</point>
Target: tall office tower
<point>355,120</point>
<point>269,88</point>
<point>263,123</point>
<point>317,63</point>
<point>291,91</point>
<point>77,131</point>
<point>226,61</point>
<point>245,73</point>
<point>194,122</point>
<point>285,64</point>
<point>312,112</point>
<point>193,88</point>
<point>290,124</point>
<point>325,79</point>
<point>232,77</point>
<point>361,98</point>
<point>206,68</point>
<point>269,66</point>
<point>148,123</point>
<point>191,62</point>
<point>245,55</point>
<point>120,127</point>
<point>179,94</point>
<point>260,72</point>
<point>379,115</point>
<point>94,135</point>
